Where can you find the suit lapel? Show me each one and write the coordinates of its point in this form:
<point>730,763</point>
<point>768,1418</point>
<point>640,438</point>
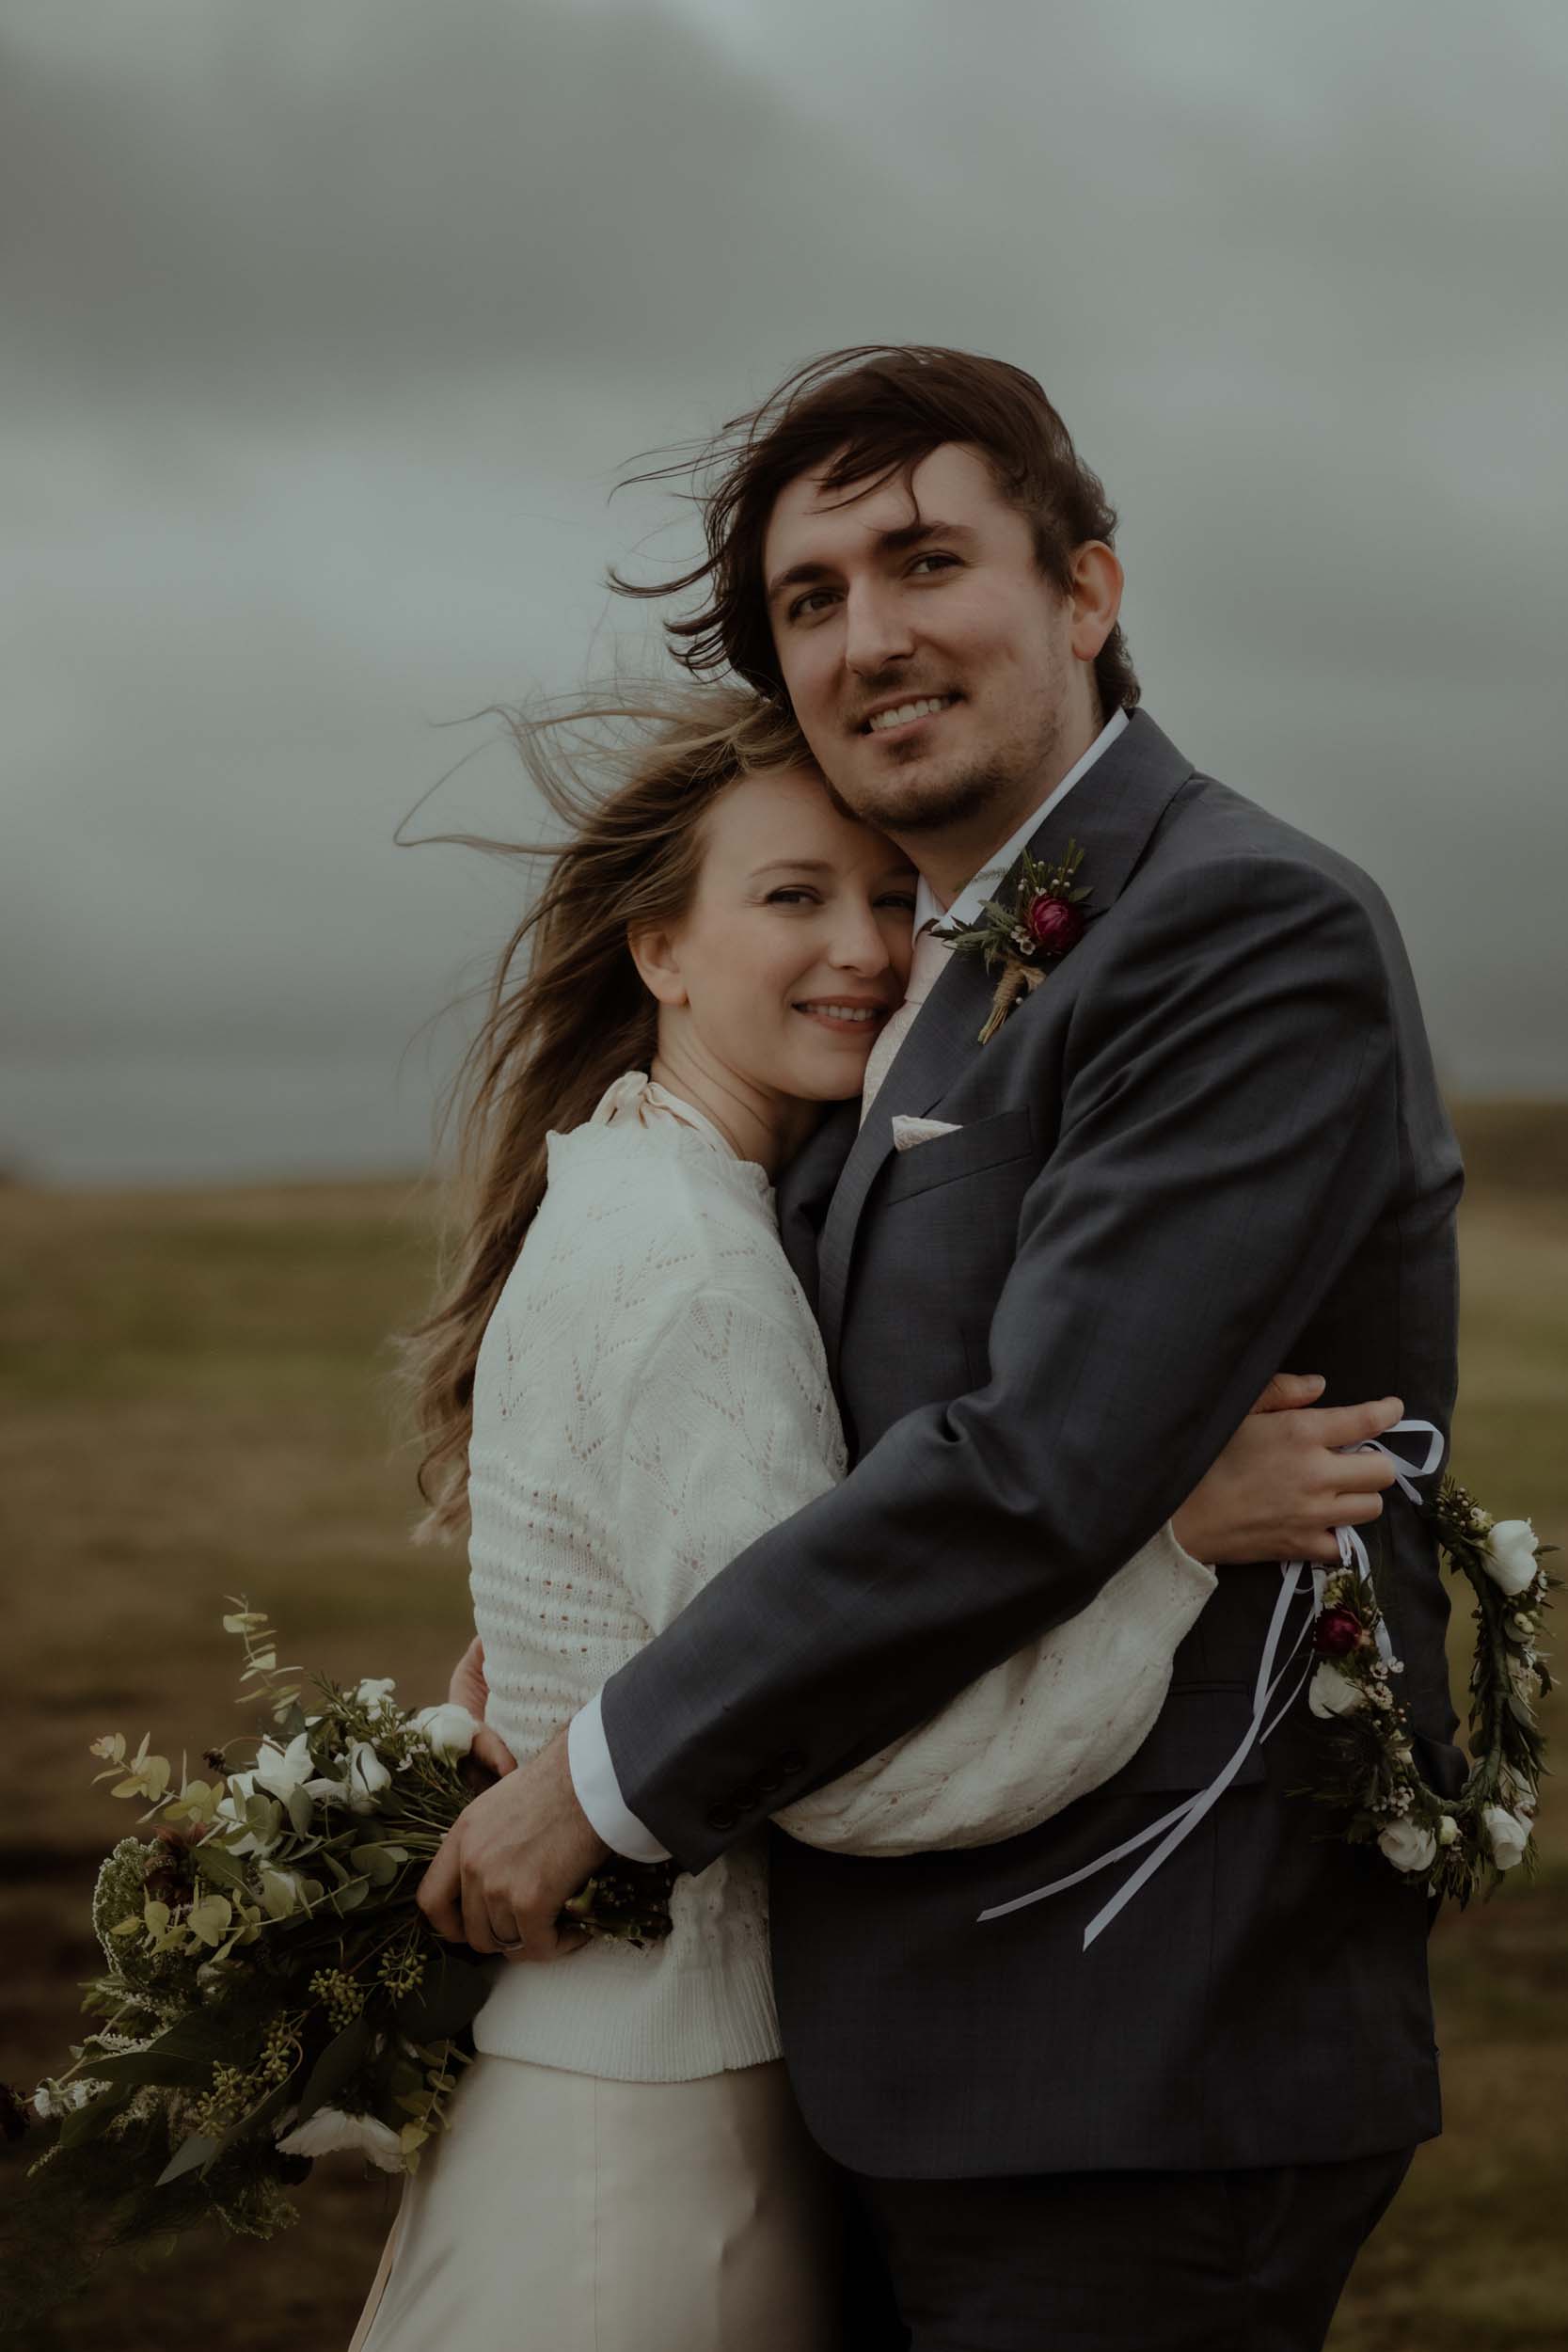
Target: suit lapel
<point>1111,815</point>
<point>806,1187</point>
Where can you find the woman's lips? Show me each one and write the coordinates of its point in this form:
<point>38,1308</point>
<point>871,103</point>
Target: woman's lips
<point>843,1018</point>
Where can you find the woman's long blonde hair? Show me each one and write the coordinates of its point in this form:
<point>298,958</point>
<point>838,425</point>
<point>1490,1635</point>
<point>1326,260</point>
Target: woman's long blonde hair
<point>566,1012</point>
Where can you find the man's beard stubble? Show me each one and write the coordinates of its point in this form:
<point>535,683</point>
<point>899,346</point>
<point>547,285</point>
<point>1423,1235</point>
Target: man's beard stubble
<point>994,785</point>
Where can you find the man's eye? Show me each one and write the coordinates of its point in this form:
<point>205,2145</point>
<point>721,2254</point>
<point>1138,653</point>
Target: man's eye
<point>942,562</point>
<point>801,609</point>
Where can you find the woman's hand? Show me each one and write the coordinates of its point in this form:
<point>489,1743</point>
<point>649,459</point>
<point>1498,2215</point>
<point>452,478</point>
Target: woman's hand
<point>1283,1484</point>
<point>468,1688</point>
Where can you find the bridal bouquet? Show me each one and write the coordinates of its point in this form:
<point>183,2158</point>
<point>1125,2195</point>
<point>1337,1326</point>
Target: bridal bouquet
<point>270,1990</point>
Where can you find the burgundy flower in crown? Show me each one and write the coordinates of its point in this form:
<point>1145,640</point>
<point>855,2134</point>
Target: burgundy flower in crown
<point>1029,938</point>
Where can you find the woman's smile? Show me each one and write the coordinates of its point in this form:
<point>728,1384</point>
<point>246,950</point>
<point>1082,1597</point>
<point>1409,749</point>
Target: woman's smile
<point>856,1016</point>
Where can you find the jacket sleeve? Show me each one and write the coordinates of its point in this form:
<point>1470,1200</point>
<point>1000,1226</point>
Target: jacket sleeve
<point>733,1429</point>
<point>1033,1734</point>
<point>1228,1137</point>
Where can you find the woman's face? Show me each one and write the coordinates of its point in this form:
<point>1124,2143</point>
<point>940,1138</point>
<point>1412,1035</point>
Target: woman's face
<point>796,947</point>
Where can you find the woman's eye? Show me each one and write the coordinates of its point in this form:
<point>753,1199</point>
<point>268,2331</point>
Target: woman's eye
<point>792,897</point>
<point>903,899</point>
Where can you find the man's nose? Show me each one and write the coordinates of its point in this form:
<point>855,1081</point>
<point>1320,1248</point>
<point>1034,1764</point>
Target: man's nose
<point>876,634</point>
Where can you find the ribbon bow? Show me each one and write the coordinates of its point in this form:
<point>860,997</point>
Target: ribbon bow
<point>1173,1827</point>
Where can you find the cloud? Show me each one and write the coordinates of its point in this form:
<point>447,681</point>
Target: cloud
<point>328,329</point>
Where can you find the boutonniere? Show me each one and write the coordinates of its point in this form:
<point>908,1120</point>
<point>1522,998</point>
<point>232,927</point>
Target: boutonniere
<point>1029,938</point>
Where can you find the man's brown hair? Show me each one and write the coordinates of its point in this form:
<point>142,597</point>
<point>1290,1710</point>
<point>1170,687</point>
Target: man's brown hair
<point>861,416</point>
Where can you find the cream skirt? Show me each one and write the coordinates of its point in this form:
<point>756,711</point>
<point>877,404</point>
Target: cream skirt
<point>566,2214</point>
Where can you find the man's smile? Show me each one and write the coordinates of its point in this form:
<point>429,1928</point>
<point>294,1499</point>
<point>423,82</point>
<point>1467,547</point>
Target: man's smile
<point>895,718</point>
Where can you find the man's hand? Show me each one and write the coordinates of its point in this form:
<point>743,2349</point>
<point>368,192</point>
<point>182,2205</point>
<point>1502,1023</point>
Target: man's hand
<point>511,1860</point>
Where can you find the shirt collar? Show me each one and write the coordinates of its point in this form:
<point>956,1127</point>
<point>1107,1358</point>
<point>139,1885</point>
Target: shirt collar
<point>967,905</point>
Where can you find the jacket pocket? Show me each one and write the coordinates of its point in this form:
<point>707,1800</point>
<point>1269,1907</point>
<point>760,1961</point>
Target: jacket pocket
<point>988,1143</point>
<point>1195,1736</point>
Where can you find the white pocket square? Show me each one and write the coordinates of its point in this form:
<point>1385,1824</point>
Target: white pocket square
<point>907,1133</point>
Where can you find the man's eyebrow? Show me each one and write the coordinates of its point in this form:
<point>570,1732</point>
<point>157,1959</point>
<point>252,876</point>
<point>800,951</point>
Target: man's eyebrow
<point>895,542</point>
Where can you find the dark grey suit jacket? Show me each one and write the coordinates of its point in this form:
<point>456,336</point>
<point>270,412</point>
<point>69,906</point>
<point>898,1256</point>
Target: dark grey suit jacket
<point>1210,1146</point>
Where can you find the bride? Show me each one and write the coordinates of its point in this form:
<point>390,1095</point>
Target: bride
<point>621,1386</point>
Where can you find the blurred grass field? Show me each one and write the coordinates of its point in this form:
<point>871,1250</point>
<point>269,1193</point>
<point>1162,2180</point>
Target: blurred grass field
<point>196,1401</point>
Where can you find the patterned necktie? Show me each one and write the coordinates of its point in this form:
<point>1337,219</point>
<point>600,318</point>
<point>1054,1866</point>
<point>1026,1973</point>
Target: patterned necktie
<point>927,967</point>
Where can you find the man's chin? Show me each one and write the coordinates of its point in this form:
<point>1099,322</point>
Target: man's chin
<point>918,795</point>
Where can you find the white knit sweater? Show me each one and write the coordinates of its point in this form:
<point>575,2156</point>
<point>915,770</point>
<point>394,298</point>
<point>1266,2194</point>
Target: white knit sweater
<point>650,1395</point>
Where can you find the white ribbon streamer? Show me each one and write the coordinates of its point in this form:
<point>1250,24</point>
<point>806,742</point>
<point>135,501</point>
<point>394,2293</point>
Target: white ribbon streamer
<point>1174,1827</point>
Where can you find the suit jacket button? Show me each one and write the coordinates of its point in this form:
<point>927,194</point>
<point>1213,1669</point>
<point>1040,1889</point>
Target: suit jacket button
<point>723,1817</point>
<point>769,1784</point>
<point>792,1763</point>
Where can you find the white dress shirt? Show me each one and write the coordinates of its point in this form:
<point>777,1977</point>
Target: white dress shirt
<point>598,1791</point>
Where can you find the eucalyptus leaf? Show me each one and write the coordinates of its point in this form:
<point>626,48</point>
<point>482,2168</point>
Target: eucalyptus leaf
<point>336,2067</point>
<point>454,1992</point>
<point>183,2056</point>
<point>196,2151</point>
<point>215,1864</point>
<point>85,2124</point>
<point>302,1813</point>
<point>376,1863</point>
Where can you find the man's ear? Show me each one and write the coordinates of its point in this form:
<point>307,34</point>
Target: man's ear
<point>654,951</point>
<point>1097,581</point>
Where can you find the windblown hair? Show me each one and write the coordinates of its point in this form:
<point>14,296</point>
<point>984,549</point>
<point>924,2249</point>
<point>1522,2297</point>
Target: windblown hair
<point>566,1012</point>
<point>862,417</point>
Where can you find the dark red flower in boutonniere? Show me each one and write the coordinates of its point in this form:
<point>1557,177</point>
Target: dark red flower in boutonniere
<point>1054,923</point>
<point>1336,1632</point>
<point>1044,922</point>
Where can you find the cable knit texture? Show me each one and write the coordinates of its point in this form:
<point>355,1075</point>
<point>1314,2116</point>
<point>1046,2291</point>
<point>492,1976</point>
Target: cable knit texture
<point>650,1395</point>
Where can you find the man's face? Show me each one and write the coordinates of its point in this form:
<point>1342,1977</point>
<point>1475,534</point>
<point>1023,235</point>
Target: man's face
<point>931,667</point>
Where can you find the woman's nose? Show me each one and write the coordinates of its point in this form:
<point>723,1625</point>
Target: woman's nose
<point>860,943</point>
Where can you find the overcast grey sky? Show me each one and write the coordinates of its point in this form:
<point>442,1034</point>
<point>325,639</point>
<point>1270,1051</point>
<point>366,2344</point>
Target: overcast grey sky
<point>328,325</point>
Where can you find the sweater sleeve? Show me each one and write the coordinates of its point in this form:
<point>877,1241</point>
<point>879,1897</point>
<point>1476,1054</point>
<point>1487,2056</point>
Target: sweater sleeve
<point>733,1428</point>
<point>1032,1734</point>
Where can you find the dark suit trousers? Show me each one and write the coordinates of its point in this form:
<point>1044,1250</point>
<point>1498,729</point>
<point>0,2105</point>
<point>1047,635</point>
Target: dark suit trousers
<point>1125,2262</point>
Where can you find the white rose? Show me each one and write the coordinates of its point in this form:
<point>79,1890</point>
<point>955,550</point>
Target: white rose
<point>1447,1830</point>
<point>1331,1692</point>
<point>330,2129</point>
<point>450,1729</point>
<point>282,1771</point>
<point>366,1777</point>
<point>1507,1834</point>
<point>1510,1555</point>
<point>375,1692</point>
<point>1409,1846</point>
<point>283,1891</point>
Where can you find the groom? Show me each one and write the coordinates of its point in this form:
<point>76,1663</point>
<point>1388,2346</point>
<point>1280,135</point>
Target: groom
<point>1210,1143</point>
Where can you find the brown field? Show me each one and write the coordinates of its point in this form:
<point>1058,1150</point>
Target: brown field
<point>197,1402</point>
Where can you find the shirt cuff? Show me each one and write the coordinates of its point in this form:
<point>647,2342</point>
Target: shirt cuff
<point>599,1791</point>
